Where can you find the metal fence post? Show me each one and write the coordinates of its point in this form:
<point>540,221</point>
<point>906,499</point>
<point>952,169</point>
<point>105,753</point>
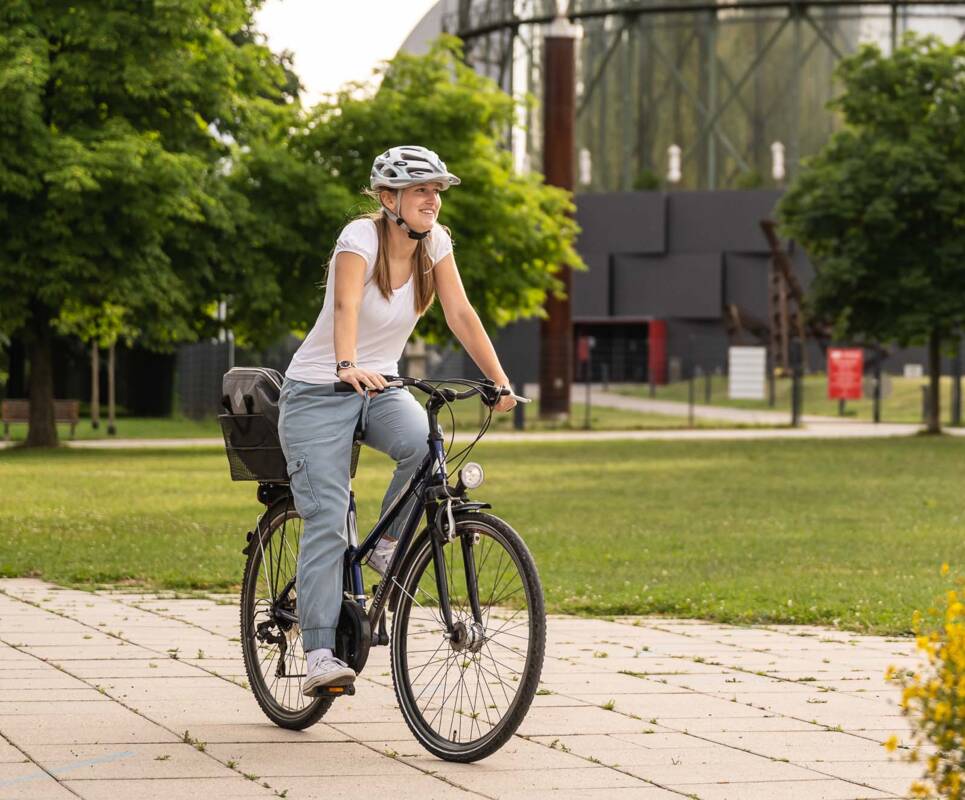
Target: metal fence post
<point>795,358</point>
<point>519,410</point>
<point>876,395</point>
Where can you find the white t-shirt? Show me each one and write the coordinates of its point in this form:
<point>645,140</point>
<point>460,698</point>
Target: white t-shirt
<point>384,325</point>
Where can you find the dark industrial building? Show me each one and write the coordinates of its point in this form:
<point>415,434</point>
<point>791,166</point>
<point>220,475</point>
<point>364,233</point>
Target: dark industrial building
<point>662,269</point>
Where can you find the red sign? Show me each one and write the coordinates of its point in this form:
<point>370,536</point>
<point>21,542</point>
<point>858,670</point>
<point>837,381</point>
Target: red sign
<point>583,349</point>
<point>845,367</point>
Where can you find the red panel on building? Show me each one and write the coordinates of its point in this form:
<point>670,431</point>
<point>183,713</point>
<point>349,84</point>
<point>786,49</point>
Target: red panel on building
<point>657,347</point>
<point>845,368</point>
<point>583,349</point>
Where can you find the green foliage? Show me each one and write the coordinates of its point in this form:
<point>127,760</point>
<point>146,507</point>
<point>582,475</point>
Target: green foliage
<point>511,232</point>
<point>750,180</point>
<point>647,180</point>
<point>121,124</point>
<point>881,208</point>
<point>104,324</point>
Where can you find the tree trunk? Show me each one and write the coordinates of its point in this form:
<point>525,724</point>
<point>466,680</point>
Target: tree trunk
<point>111,430</point>
<point>42,432</point>
<point>95,385</point>
<point>934,424</point>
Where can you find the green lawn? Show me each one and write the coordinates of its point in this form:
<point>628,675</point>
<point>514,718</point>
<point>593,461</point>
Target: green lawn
<point>902,405</point>
<point>848,533</point>
<point>467,420</point>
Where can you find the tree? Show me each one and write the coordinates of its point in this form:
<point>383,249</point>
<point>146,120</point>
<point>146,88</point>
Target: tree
<point>511,232</point>
<point>119,126</point>
<point>102,328</point>
<point>881,209</point>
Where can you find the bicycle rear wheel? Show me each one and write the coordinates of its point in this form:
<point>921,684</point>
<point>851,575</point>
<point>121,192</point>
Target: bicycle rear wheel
<point>272,644</point>
<point>464,697</point>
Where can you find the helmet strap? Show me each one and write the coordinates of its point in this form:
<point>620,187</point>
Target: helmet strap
<point>401,222</point>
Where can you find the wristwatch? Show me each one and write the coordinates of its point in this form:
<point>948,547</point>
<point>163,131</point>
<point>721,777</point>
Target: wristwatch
<point>344,365</point>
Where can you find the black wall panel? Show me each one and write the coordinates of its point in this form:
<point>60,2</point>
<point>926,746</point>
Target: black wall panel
<point>696,343</point>
<point>590,289</point>
<point>675,285</point>
<point>622,222</point>
<point>701,222</point>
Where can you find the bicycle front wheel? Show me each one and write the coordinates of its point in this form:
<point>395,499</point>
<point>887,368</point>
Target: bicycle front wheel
<point>463,696</point>
<point>271,642</point>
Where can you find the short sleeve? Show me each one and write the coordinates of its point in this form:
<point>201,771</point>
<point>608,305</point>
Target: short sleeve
<point>440,244</point>
<point>360,237</point>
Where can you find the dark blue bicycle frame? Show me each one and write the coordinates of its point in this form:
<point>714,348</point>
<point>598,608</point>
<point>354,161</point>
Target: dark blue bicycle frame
<point>421,482</point>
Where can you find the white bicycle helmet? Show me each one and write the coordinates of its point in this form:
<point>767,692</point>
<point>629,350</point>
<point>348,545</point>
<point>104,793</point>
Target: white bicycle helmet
<point>408,165</point>
<point>399,167</point>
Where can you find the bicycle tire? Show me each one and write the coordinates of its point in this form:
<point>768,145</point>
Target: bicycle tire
<point>408,627</point>
<point>272,558</point>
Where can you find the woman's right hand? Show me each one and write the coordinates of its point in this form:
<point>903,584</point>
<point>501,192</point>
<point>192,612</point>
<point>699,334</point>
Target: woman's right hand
<point>363,379</point>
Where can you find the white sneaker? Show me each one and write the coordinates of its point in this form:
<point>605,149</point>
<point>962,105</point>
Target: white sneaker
<point>381,556</point>
<point>327,671</point>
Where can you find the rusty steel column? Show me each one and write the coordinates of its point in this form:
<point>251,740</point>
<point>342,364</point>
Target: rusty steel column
<point>559,122</point>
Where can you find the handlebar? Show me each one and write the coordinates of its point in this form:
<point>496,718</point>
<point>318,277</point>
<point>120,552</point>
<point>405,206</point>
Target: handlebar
<point>487,390</point>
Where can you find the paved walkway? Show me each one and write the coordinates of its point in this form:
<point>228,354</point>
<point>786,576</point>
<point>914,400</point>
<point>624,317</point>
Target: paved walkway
<point>92,705</point>
<point>675,408</point>
<point>831,430</point>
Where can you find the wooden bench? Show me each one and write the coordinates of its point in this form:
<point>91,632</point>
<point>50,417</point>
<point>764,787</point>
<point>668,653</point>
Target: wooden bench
<point>19,411</point>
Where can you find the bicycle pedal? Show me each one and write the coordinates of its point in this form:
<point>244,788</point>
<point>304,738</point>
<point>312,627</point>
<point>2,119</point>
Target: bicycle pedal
<point>335,691</point>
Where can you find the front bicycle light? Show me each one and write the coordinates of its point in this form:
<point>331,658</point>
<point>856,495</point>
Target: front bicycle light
<point>471,476</point>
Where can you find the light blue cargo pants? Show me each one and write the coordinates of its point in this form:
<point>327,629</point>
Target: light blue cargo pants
<point>315,426</point>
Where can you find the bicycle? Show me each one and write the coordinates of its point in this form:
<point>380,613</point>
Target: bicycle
<point>468,621</point>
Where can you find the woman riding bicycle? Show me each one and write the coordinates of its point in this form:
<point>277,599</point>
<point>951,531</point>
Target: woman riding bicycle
<point>385,271</point>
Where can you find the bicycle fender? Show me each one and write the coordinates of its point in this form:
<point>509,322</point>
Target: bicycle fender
<point>469,506</point>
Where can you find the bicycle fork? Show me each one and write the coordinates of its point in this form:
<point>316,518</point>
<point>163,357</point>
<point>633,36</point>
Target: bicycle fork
<point>461,636</point>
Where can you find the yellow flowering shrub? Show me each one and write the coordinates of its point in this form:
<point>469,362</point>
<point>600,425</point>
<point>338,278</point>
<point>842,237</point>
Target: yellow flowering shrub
<point>934,698</point>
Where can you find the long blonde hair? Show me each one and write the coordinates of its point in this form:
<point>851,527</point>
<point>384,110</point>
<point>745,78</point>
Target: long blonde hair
<point>423,276</point>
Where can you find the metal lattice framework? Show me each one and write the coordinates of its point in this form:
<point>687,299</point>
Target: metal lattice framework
<point>723,81</point>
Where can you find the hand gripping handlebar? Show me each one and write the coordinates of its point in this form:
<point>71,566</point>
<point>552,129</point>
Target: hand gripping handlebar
<point>487,390</point>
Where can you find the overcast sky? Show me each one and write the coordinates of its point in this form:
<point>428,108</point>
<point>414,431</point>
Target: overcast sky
<point>340,41</point>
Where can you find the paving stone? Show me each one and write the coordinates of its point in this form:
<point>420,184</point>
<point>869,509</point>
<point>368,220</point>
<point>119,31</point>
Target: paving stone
<point>785,790</point>
<point>868,771</point>
<point>9,754</point>
<point>397,786</point>
<point>136,667</point>
<point>729,704</point>
<point>267,732</point>
<point>107,724</point>
<point>310,758</point>
<point>29,782</point>
<point>625,793</point>
<point>375,731</point>
<point>44,677</point>
<point>805,745</point>
<point>100,762</point>
<point>517,754</point>
<point>41,694</point>
<point>166,789</point>
<point>546,780</point>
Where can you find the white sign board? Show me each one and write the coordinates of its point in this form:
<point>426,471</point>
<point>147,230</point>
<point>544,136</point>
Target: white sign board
<point>914,371</point>
<point>747,371</point>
